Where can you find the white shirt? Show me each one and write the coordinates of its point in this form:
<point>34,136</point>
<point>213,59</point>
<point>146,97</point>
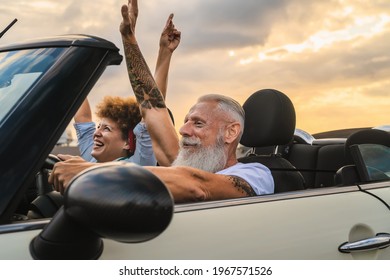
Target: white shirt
<point>258,176</point>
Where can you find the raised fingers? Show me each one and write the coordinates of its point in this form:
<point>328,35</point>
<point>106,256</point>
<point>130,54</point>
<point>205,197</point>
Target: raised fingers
<point>133,4</point>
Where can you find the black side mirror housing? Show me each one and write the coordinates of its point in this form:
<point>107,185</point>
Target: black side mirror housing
<point>119,201</point>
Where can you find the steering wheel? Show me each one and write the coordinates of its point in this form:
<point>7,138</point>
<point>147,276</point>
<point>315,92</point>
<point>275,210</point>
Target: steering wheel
<point>42,177</point>
<point>48,201</point>
<point>50,161</point>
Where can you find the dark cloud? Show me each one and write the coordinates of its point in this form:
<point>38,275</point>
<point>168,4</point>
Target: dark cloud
<point>347,63</point>
<point>228,24</point>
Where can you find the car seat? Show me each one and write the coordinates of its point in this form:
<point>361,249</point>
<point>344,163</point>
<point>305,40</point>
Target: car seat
<point>270,121</point>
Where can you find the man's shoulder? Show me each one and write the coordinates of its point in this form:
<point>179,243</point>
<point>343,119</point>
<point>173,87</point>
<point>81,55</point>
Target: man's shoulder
<point>244,166</point>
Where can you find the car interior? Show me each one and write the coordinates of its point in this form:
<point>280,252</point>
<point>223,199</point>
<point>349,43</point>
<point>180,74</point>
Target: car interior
<point>295,163</point>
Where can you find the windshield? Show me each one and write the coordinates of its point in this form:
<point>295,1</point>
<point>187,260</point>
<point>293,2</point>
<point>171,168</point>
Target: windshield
<point>19,71</point>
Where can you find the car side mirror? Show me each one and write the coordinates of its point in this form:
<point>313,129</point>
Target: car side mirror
<point>120,201</point>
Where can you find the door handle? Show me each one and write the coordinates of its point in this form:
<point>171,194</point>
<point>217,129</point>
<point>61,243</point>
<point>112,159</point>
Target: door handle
<point>380,241</point>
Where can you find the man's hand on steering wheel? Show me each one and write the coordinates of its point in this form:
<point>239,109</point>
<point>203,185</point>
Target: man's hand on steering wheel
<point>64,171</point>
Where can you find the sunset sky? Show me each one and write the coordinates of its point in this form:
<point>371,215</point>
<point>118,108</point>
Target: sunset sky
<point>330,57</point>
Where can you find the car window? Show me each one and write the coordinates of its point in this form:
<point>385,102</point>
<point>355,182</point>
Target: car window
<point>372,161</point>
<point>19,70</point>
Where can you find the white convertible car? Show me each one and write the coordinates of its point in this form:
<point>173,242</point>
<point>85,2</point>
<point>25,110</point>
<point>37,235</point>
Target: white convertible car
<point>331,201</point>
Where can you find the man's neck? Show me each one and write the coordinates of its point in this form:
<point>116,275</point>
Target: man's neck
<point>232,161</point>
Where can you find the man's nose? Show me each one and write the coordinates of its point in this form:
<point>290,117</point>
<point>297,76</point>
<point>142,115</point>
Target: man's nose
<point>186,130</point>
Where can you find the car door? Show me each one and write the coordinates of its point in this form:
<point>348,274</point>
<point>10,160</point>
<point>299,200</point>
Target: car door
<point>311,224</point>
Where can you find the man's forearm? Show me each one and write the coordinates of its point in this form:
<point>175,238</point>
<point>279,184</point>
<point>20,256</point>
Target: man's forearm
<point>153,108</point>
<point>162,69</point>
<point>145,88</point>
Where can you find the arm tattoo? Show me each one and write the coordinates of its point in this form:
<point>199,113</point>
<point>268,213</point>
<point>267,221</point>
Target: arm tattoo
<point>242,185</point>
<point>145,89</point>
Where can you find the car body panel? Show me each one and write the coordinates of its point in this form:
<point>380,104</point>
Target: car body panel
<point>382,193</point>
<point>269,229</point>
<point>15,245</point>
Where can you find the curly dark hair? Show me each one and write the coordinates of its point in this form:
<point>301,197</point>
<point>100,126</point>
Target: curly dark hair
<point>122,110</point>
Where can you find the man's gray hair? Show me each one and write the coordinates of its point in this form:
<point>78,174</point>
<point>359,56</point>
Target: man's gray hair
<point>228,105</point>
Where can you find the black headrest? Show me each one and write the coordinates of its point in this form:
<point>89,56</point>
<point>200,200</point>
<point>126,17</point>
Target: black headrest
<point>269,119</point>
<point>366,136</point>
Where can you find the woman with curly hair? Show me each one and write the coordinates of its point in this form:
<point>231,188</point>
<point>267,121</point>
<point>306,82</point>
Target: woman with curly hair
<point>114,137</point>
<point>121,133</point>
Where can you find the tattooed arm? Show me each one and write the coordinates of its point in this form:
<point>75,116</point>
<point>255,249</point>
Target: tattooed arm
<point>189,184</point>
<point>153,109</point>
<point>186,184</point>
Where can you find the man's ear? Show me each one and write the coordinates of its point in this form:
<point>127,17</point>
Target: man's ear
<point>232,132</point>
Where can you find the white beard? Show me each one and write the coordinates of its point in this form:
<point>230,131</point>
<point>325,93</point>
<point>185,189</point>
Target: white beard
<point>211,159</point>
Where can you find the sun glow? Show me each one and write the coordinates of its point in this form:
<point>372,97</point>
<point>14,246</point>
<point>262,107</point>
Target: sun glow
<point>47,5</point>
<point>367,27</point>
